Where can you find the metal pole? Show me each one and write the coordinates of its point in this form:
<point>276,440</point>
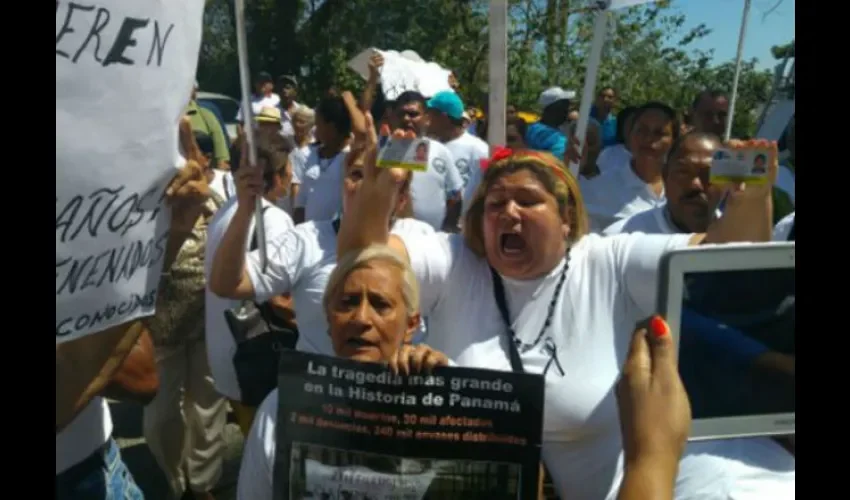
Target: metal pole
<point>248,117</point>
<point>498,101</point>
<point>738,60</point>
<point>600,32</point>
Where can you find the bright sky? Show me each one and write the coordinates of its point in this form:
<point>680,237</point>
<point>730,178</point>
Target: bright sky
<point>723,17</point>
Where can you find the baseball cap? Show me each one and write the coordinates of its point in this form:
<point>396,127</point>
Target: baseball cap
<point>268,115</point>
<point>554,94</point>
<point>263,77</point>
<point>447,102</point>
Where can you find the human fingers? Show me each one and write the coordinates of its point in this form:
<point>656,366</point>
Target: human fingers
<point>638,363</point>
<point>190,172</point>
<point>434,359</point>
<point>417,358</point>
<point>661,349</point>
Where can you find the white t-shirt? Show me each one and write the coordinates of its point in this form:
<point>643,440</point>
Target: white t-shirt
<point>652,221</point>
<point>614,195</point>
<point>300,262</point>
<point>223,184</point>
<point>321,185</point>
<point>220,344</point>
<point>783,228</point>
<point>613,157</point>
<point>476,175</point>
<point>90,430</point>
<point>258,102</point>
<point>298,157</point>
<point>610,285</point>
<point>430,189</point>
<point>467,151</point>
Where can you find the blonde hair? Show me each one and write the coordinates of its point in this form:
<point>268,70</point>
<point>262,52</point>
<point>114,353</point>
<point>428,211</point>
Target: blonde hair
<point>363,257</point>
<point>556,179</point>
<point>306,113</point>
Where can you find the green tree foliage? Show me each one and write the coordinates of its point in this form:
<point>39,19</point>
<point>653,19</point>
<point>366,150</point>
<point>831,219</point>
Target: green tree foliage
<point>648,55</point>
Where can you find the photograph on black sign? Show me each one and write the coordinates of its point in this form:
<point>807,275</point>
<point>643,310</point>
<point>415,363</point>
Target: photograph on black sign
<point>323,472</point>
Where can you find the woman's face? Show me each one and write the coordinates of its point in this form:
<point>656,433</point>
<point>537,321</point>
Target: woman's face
<point>651,136</point>
<point>301,125</point>
<point>524,233</point>
<point>367,315</point>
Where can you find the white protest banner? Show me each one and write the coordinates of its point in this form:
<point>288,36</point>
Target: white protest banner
<point>403,71</point>
<point>124,74</point>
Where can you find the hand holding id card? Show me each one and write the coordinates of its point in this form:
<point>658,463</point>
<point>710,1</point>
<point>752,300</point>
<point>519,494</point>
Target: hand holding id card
<point>403,150</point>
<point>749,162</point>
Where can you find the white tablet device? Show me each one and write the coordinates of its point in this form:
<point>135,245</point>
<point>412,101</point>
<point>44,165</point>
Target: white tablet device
<point>731,309</point>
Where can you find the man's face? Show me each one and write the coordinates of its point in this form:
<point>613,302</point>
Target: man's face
<point>690,198</point>
<point>288,92</point>
<point>438,121</point>
<point>410,116</point>
<point>710,115</point>
<point>511,112</point>
<point>605,100</point>
<point>270,126</point>
<point>513,138</point>
<point>264,88</point>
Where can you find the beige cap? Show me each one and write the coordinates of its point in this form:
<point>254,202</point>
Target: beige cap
<point>268,115</point>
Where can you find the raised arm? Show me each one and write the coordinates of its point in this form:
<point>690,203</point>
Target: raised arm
<point>228,276</point>
<point>367,99</point>
<point>748,215</point>
<point>368,220</point>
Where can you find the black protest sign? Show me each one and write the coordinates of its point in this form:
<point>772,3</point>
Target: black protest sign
<point>349,430</point>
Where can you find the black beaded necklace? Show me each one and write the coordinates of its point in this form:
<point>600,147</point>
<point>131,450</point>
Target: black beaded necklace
<point>515,345</point>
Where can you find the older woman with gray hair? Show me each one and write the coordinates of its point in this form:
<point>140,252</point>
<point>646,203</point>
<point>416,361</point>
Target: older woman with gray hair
<point>372,306</point>
<point>303,124</point>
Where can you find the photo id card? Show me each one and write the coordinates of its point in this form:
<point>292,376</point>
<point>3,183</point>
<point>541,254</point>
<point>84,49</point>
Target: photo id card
<point>750,165</point>
<point>406,153</point>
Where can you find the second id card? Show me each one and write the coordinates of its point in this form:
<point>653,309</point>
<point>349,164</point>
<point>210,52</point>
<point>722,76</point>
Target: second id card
<point>750,165</point>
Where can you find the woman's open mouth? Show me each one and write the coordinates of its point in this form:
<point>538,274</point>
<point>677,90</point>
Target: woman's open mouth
<point>359,343</point>
<point>512,244</point>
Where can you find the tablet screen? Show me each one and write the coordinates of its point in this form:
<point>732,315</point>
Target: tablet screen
<point>736,342</point>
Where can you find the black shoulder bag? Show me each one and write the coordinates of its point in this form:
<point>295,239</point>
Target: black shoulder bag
<point>260,337</point>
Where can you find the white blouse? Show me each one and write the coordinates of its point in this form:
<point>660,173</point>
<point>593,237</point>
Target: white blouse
<point>610,285</point>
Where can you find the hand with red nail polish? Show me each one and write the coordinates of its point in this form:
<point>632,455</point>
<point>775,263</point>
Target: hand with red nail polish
<point>655,414</point>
